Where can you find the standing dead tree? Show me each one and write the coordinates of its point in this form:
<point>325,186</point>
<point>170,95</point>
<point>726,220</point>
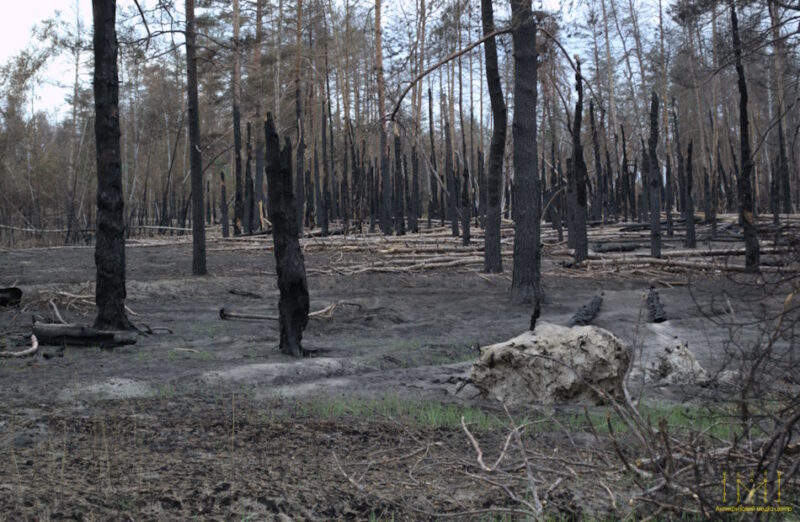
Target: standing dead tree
<point>109,254</point>
<point>195,158</point>
<point>578,178</point>
<point>293,305</point>
<point>654,179</point>
<point>751,257</point>
<point>526,284</point>
<point>492,261</point>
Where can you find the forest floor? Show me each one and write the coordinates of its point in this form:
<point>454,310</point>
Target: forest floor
<point>204,418</point>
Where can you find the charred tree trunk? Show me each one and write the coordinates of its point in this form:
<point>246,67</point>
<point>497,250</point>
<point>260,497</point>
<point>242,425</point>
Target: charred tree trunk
<point>492,260</point>
<point>293,304</point>
<point>466,206</point>
<point>399,219</point>
<point>413,212</point>
<point>223,207</point>
<point>433,195</point>
<point>597,201</point>
<point>526,283</point>
<point>452,193</point>
<point>752,254</point>
<point>195,158</point>
<point>248,188</point>
<point>691,241</point>
<point>238,201</point>
<point>627,204</point>
<point>581,243</point>
<point>109,254</point>
<point>654,176</point>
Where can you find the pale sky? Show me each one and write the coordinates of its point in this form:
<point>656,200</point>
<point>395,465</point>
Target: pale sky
<point>15,35</point>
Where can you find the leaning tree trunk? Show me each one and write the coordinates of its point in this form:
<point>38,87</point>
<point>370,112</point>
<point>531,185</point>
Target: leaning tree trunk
<point>526,283</point>
<point>109,254</point>
<point>581,242</point>
<point>195,158</point>
<point>492,261</point>
<point>293,303</point>
<point>654,175</point>
<point>751,256</point>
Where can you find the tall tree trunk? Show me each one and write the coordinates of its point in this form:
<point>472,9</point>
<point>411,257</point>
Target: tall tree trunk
<point>299,186</point>
<point>433,196</point>
<point>236,85</point>
<point>751,257</point>
<point>195,158</point>
<point>109,254</point>
<point>581,242</point>
<point>223,206</point>
<point>654,178</point>
<point>386,185</point>
<point>492,260</point>
<point>293,304</point>
<point>259,188</point>
<point>526,283</point>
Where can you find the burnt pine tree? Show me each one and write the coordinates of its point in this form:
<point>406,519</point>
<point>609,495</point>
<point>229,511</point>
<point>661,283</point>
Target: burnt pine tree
<point>751,256</point>
<point>492,261</point>
<point>223,206</point>
<point>236,81</point>
<point>581,242</point>
<point>526,283</point>
<point>653,179</point>
<point>195,158</point>
<point>109,254</point>
<point>293,302</point>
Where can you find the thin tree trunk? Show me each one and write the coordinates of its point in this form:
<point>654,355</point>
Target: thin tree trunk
<point>195,158</point>
<point>236,85</point>
<point>492,260</point>
<point>581,243</point>
<point>654,176</point>
<point>752,253</point>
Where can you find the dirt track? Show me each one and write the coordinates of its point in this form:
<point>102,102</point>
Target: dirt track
<point>211,421</point>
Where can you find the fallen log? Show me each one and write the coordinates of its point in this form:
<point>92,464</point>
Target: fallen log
<point>77,335</point>
<point>10,296</point>
<point>24,353</point>
<point>587,312</point>
<point>657,313</point>
<point>602,248</point>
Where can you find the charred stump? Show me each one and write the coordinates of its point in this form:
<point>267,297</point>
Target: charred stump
<point>293,304</point>
<point>657,313</point>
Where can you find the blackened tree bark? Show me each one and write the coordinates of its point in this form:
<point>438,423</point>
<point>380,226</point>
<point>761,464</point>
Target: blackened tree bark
<point>466,207</point>
<point>669,194</point>
<point>783,173</point>
<point>109,253</point>
<point>223,207</point>
<point>627,205</point>
<point>248,187</point>
<point>526,282</point>
<point>752,254</point>
<point>293,304</point>
<point>326,191</point>
<point>597,201</point>
<point>399,218</point>
<point>449,170</point>
<point>581,243</point>
<point>413,211</point>
<point>236,82</point>
<point>195,158</point>
<point>492,261</point>
<point>654,176</point>
<point>691,240</point>
<point>433,197</point>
